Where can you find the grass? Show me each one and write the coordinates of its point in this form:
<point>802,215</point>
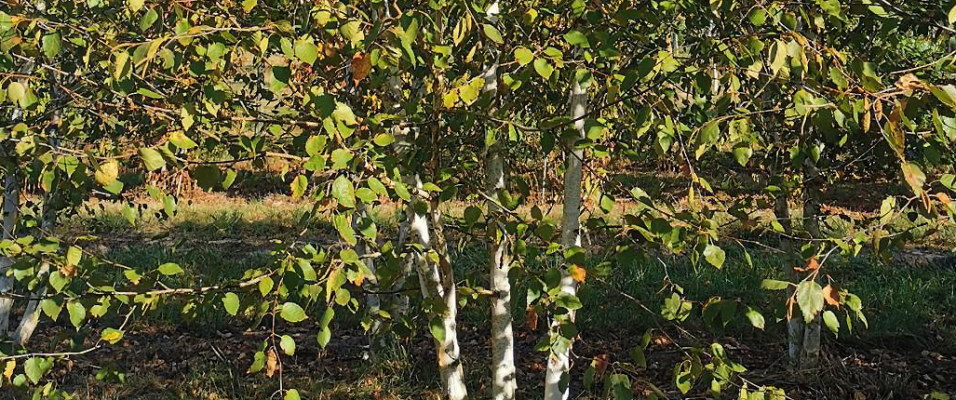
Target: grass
<point>902,299</point>
<point>218,238</point>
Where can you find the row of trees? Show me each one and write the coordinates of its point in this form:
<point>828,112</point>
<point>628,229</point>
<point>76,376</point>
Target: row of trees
<point>402,101</point>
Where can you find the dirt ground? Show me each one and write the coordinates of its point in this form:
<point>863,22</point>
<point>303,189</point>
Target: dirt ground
<point>170,364</point>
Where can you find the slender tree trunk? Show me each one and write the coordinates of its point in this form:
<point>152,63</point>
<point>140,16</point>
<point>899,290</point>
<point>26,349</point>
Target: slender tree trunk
<point>11,210</point>
<point>810,352</point>
<point>439,291</point>
<point>11,213</point>
<point>451,369</point>
<point>31,315</point>
<point>399,304</point>
<point>795,325</point>
<point>503,382</point>
<point>559,363</point>
<point>359,217</point>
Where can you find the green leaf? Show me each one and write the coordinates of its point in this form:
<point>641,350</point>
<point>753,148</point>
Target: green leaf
<point>340,158</point>
<point>637,354</point>
<point>324,336</point>
<point>771,284</point>
<point>576,38</point>
<point>377,186</point>
<point>758,16</point>
<point>568,301</point>
<point>437,329</point>
<point>715,255</point>
<point>170,269</point>
<point>111,336</point>
<point>952,15</point>
<point>148,19</point>
<point>231,303</point>
<point>810,298</point>
<point>830,319</point>
<point>215,51</point>
<point>135,5</point>
<point>756,319</point>
<point>77,313</point>
<point>492,33</point>
<point>287,343</point>
<point>207,176</point>
<point>367,195</point>
<point>344,192</point>
<point>344,228</point>
<point>292,394</point>
<point>152,159</point>
<point>742,155</point>
<point>51,45</point>
<point>229,179</point>
<point>73,255</point>
<point>35,368</point>
<point>149,93</point>
<point>383,139</point>
<point>180,140</point>
<point>523,56</point>
<point>299,186</point>
<point>51,307</point>
<point>16,92</point>
<point>292,312</point>
<point>470,92</point>
<point>248,5</point>
<point>306,51</point>
<point>543,68</point>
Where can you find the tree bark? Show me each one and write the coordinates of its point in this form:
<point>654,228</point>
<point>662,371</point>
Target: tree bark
<point>372,300</point>
<point>11,213</point>
<point>810,352</point>
<point>795,325</point>
<point>559,363</point>
<point>504,380</point>
<point>438,288</point>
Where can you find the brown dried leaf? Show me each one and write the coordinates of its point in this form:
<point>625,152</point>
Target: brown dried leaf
<point>944,198</point>
<point>361,66</point>
<point>532,318</point>
<point>600,364</point>
<point>68,271</point>
<point>272,362</point>
<point>831,296</point>
<point>812,265</point>
<point>866,114</point>
<point>909,83</point>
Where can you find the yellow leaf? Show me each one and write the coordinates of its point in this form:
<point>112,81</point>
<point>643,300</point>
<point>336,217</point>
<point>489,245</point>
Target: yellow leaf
<point>107,173</point>
<point>578,273</point>
<point>8,370</point>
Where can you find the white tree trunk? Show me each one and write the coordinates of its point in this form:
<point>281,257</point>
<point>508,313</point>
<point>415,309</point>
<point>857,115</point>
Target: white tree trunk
<point>559,363</point>
<point>504,379</point>
<point>372,299</point>
<point>449,361</point>
<point>439,289</point>
<point>11,213</point>
<point>31,315</point>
